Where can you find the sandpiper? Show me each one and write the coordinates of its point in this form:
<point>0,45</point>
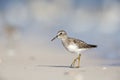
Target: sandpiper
<point>73,45</point>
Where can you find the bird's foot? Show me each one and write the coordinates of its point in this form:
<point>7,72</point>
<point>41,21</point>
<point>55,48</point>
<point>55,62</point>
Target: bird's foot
<point>71,66</point>
<point>74,66</point>
<point>77,66</point>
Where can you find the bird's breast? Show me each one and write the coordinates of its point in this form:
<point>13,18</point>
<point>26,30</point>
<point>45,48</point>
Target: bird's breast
<point>72,48</point>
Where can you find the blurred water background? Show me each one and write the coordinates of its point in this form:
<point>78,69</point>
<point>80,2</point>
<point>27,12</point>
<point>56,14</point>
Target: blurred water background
<point>27,26</point>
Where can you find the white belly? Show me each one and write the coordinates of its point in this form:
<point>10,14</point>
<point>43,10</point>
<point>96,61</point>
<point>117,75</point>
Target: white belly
<point>74,49</point>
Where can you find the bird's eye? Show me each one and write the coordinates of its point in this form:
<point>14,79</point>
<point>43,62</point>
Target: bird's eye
<point>60,34</point>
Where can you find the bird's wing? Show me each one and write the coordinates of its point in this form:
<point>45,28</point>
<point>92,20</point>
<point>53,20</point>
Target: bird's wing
<point>80,43</point>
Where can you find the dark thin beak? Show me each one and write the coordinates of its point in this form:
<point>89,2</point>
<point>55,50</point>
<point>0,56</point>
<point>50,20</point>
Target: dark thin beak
<point>54,38</point>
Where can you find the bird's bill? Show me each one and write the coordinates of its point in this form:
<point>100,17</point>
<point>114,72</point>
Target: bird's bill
<point>54,38</point>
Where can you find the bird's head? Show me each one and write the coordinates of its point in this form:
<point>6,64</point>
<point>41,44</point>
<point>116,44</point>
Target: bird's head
<point>61,35</point>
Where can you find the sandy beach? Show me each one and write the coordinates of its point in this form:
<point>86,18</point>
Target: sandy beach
<point>25,64</point>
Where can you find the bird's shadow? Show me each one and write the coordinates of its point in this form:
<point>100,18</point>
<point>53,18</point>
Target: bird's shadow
<point>54,66</point>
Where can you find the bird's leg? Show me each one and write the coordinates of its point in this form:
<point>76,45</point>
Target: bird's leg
<point>78,58</point>
<point>73,63</point>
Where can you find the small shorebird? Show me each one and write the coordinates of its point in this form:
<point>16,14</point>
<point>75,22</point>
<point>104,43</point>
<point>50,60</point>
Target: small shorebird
<point>73,45</point>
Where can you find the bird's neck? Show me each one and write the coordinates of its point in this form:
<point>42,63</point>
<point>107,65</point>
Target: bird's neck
<point>64,38</point>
